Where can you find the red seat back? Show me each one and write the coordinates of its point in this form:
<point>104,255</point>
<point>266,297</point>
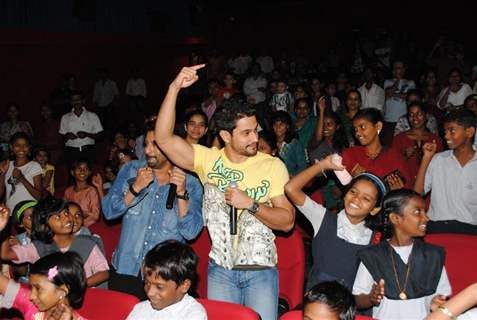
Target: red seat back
<point>201,246</point>
<point>109,234</point>
<point>291,267</point>
<point>219,310</point>
<point>461,250</point>
<point>102,304</point>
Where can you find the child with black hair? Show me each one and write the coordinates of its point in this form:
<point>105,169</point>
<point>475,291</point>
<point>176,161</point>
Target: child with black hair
<point>52,231</point>
<point>169,271</point>
<point>42,156</point>
<point>452,176</point>
<point>57,287</point>
<point>329,300</point>
<point>402,276</point>
<point>337,238</point>
<point>83,193</point>
<point>282,100</point>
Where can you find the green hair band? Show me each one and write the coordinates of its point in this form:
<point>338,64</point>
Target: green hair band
<point>22,209</point>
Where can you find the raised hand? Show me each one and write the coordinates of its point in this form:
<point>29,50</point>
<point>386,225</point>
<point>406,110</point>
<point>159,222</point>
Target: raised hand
<point>332,162</point>
<point>4,216</point>
<point>429,149</point>
<point>322,104</point>
<point>377,293</point>
<point>394,182</point>
<point>97,181</point>
<point>186,77</point>
<point>17,174</point>
<point>4,167</point>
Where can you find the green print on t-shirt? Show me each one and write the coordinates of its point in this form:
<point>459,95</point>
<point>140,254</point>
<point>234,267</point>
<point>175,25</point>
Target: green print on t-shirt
<point>223,176</point>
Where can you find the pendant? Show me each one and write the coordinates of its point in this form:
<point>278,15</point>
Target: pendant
<point>403,296</point>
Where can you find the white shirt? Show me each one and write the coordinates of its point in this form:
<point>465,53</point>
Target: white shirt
<point>352,233</point>
<point>372,98</point>
<point>186,309</point>
<point>136,87</point>
<point>250,88</point>
<point>20,193</point>
<point>454,188</point>
<point>399,309</point>
<point>266,63</point>
<point>87,122</point>
<point>240,64</point>
<point>454,98</point>
<point>105,92</point>
<point>395,107</point>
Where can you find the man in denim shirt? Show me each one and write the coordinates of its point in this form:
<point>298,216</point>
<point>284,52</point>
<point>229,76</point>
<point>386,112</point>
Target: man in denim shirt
<point>139,193</point>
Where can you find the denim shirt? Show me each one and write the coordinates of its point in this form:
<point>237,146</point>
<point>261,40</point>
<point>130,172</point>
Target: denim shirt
<point>146,220</point>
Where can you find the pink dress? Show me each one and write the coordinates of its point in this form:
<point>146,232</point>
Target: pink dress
<point>18,297</point>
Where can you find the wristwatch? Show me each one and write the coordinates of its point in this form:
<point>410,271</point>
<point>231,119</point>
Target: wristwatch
<point>185,196</point>
<point>133,192</point>
<point>254,208</point>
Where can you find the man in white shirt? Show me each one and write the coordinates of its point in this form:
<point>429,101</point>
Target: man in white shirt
<point>169,269</point>
<point>136,92</point>
<point>104,97</point>
<point>255,86</point>
<point>372,95</point>
<point>80,128</point>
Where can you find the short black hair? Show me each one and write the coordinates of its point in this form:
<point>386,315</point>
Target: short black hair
<point>172,260</point>
<point>39,149</point>
<point>195,112</point>
<point>41,213</point>
<point>419,104</point>
<point>463,117</point>
<point>334,295</point>
<point>77,93</point>
<point>373,115</point>
<point>283,116</point>
<point>70,273</point>
<point>230,112</point>
<point>77,162</point>
<point>20,135</point>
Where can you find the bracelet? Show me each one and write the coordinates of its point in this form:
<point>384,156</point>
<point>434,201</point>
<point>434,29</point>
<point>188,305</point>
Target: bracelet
<point>447,312</point>
<point>131,189</point>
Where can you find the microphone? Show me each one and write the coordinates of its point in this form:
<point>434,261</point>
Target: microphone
<point>233,212</point>
<point>171,196</point>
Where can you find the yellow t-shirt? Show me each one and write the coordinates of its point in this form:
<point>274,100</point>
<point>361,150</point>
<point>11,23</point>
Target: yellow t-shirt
<point>262,176</point>
<point>51,186</point>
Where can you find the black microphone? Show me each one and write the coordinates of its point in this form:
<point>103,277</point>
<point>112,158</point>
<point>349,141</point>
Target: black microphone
<point>171,196</point>
<point>233,212</point>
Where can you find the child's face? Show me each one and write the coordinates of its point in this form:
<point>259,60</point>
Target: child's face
<point>264,147</point>
<point>123,159</point>
<point>20,148</point>
<point>352,101</point>
<point>280,128</point>
<point>120,140</point>
<point>229,81</point>
<point>331,89</point>
<point>196,127</point>
<point>44,294</point>
<point>302,110</point>
<point>61,223</point>
<point>273,87</point>
<point>109,174</point>
<point>319,311</point>
<point>163,293</point>
<point>81,172</point>
<point>26,219</point>
<point>365,131</point>
<point>329,127</point>
<point>360,200</point>
<point>413,219</point>
<point>456,135</point>
<point>76,216</point>
<point>472,105</point>
<point>281,87</point>
<point>417,117</point>
<point>42,158</point>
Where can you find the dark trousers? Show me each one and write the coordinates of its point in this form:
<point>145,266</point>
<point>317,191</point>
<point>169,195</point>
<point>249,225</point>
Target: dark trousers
<point>451,226</point>
<point>85,153</point>
<point>128,284</point>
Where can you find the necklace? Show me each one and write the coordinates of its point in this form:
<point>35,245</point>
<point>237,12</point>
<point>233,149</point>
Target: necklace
<point>373,155</point>
<point>402,291</point>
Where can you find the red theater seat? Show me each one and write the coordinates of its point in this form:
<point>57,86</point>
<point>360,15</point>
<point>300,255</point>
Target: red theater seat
<point>461,252</point>
<point>298,315</point>
<point>218,310</point>
<point>100,304</point>
<point>109,234</point>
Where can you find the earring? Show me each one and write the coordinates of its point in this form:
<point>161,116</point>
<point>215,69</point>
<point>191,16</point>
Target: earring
<point>379,131</point>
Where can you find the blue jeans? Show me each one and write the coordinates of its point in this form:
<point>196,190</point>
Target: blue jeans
<point>257,289</point>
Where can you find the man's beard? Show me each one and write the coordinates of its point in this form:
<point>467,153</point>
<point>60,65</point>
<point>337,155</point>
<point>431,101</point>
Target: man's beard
<point>152,162</point>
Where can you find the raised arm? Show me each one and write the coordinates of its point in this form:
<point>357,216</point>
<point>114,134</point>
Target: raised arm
<point>429,150</point>
<point>461,302</point>
<point>177,149</point>
<point>318,135</point>
<point>294,187</point>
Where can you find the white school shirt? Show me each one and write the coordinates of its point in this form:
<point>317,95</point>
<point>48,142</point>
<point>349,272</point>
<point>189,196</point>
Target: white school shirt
<point>399,309</point>
<point>29,170</point>
<point>454,188</point>
<point>87,121</point>
<point>105,92</point>
<point>372,98</point>
<point>454,98</point>
<point>186,309</point>
<point>352,233</point>
<point>395,107</point>
<point>136,87</point>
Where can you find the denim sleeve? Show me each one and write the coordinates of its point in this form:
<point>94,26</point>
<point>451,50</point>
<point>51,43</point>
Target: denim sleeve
<point>113,203</point>
<point>191,224</point>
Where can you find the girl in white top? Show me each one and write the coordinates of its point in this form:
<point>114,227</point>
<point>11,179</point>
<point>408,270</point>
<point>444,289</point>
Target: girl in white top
<point>402,276</point>
<point>20,179</point>
<point>455,94</point>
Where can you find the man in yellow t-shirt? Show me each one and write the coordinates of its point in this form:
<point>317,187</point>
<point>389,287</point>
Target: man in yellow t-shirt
<point>242,267</point>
